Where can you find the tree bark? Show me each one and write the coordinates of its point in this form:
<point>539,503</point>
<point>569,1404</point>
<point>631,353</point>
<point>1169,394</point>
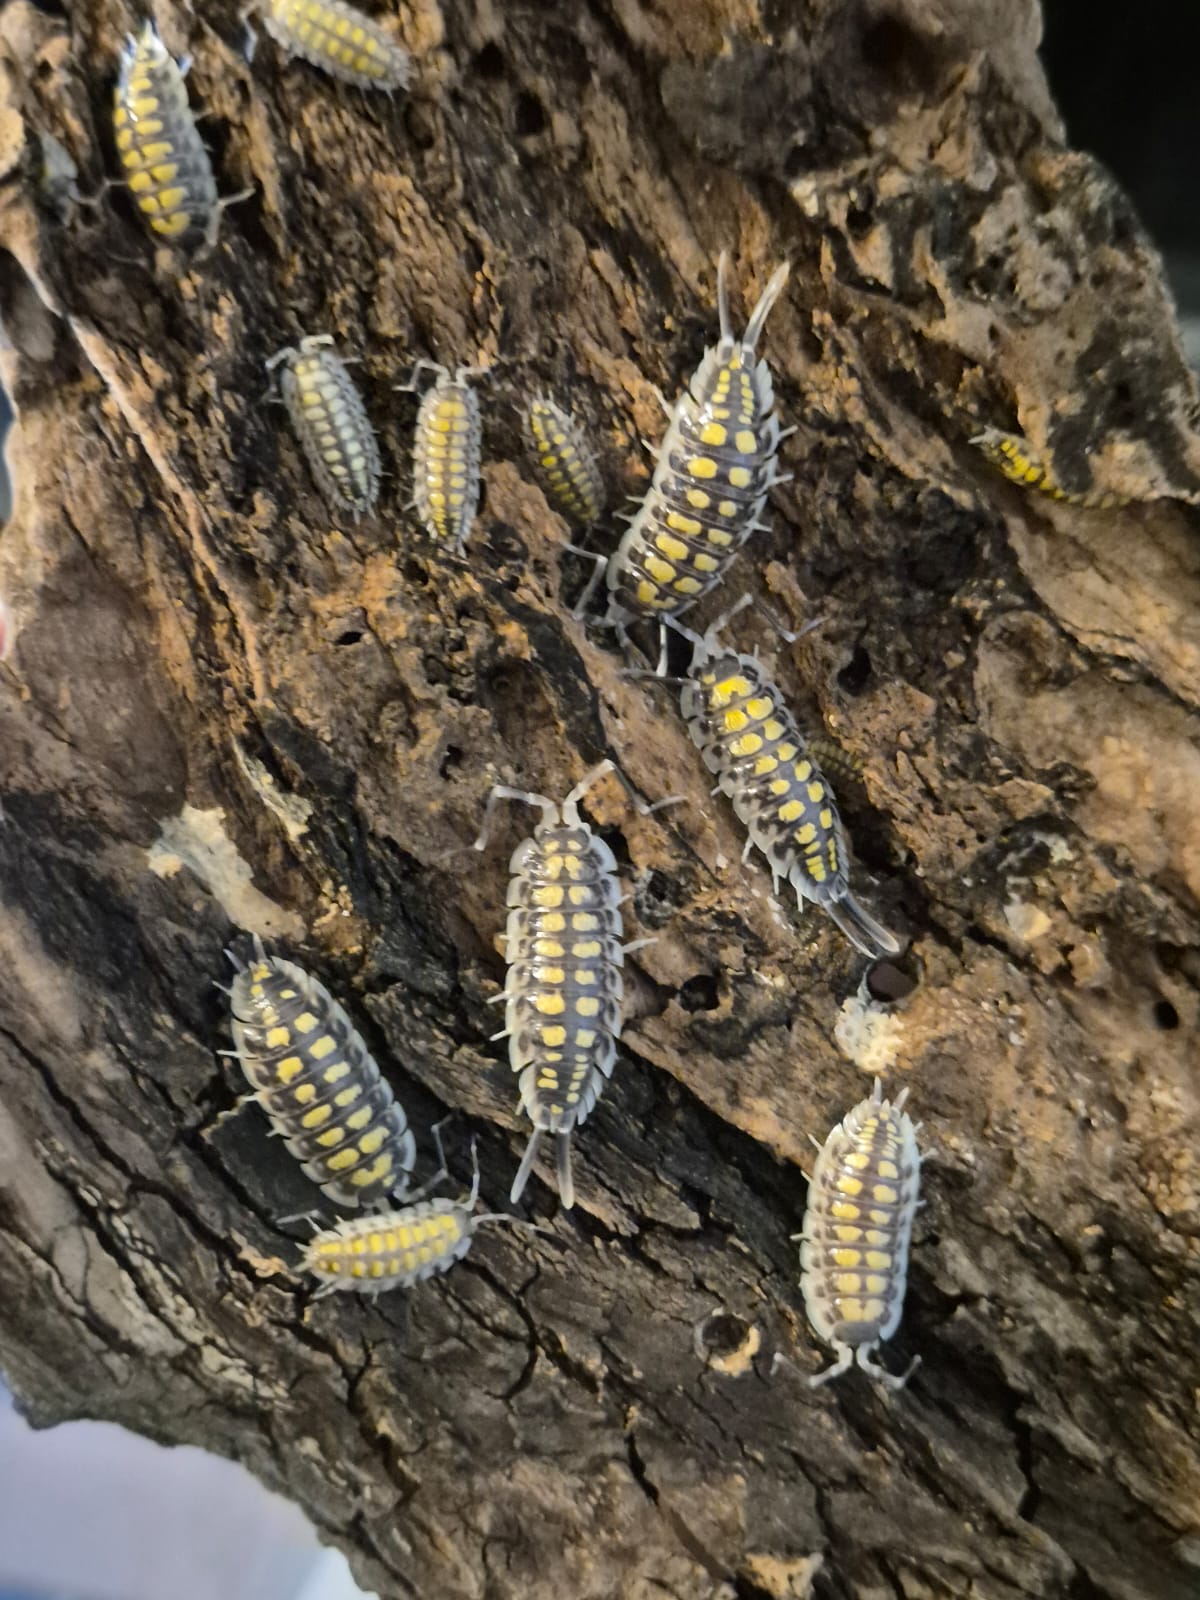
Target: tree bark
<point>225,710</point>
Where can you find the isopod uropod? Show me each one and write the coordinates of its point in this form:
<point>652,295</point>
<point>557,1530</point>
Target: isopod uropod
<point>857,1227</point>
<point>715,467</point>
<point>395,1249</point>
<point>446,452</point>
<point>331,423</point>
<point>166,165</point>
<point>749,739</point>
<point>318,1083</point>
<point>564,988</point>
<point>1016,460</point>
<point>565,461</point>
<point>340,39</point>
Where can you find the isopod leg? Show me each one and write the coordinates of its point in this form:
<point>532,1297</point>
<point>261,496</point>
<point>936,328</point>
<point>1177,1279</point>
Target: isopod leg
<point>526,1167</point>
<point>845,1360</point>
<point>881,1375</point>
<point>502,791</point>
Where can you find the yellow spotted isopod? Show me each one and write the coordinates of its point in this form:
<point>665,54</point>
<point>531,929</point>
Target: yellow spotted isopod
<point>715,468</point>
<point>564,989</point>
<point>446,450</point>
<point>318,1083</point>
<point>750,741</point>
<point>1016,460</point>
<point>166,165</point>
<point>331,423</point>
<point>857,1228</point>
<point>339,39</point>
<point>566,464</point>
<point>396,1249</point>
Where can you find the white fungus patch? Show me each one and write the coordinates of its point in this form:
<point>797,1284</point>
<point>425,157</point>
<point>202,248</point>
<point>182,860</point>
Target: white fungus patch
<point>197,840</point>
<point>868,1035</point>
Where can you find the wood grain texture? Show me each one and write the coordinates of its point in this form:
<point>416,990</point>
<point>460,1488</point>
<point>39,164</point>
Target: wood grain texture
<point>223,711</point>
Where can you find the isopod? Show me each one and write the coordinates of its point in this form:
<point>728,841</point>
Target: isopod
<point>715,468</point>
<point>331,423</point>
<point>166,164</point>
<point>340,40</point>
<point>565,461</point>
<point>564,989</point>
<point>318,1083</point>
<point>857,1228</point>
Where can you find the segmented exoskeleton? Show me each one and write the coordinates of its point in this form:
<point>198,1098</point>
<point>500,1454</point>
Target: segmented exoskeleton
<point>318,1083</point>
<point>564,989</point>
<point>857,1226</point>
<point>1016,460</point>
<point>331,424</point>
<point>749,739</point>
<point>339,39</point>
<point>166,165</point>
<point>447,443</point>
<point>565,461</point>
<point>710,485</point>
<point>396,1249</point>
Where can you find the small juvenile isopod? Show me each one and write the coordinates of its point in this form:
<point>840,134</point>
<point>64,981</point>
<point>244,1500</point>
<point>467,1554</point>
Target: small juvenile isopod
<point>396,1249</point>
<point>446,451</point>
<point>749,739</point>
<point>565,460</point>
<point>331,423</point>
<point>166,165</point>
<point>318,1083</point>
<point>715,468</point>
<point>340,39</point>
<point>857,1226</point>
<point>564,989</point>
<point>1016,460</point>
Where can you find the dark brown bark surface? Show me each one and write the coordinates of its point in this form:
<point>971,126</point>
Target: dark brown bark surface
<point>226,711</point>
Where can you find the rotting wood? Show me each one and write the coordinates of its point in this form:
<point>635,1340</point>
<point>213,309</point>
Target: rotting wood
<point>217,712</point>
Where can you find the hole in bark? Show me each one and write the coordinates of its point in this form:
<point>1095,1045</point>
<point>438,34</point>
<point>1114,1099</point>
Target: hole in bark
<point>1165,1015</point>
<point>891,48</point>
<point>796,162</point>
<point>656,898</point>
<point>701,993</point>
<point>889,981</point>
<point>452,759</point>
<point>351,636</point>
<point>723,1334</point>
<point>853,676</point>
<point>415,573</point>
<point>418,120</point>
<point>530,116</point>
<point>490,62</point>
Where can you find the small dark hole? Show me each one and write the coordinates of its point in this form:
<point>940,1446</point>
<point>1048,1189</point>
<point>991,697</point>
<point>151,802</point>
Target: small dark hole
<point>530,116</point>
<point>888,46</point>
<point>723,1335</point>
<point>701,993</point>
<point>1165,1015</point>
<point>887,983</point>
<point>453,758</point>
<point>416,574</point>
<point>351,636</point>
<point>853,676</point>
<point>422,129</point>
<point>490,62</point>
<point>796,162</point>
